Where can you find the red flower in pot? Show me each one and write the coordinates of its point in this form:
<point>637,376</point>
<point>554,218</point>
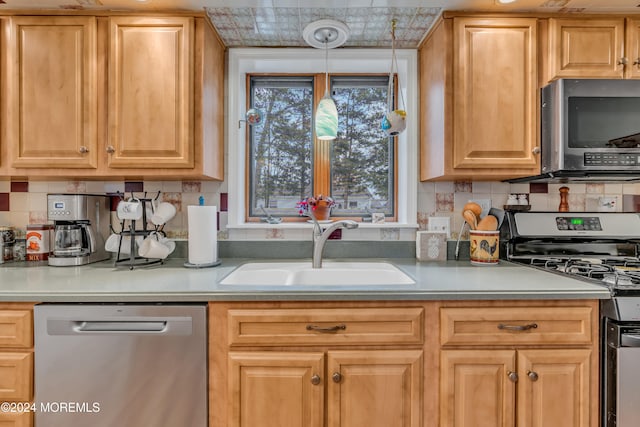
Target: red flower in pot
<point>319,205</point>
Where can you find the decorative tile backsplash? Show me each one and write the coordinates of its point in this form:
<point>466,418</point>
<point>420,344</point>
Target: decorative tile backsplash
<point>24,202</point>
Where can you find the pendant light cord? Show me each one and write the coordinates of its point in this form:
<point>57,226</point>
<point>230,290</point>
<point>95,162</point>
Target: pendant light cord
<point>326,68</point>
<point>394,60</point>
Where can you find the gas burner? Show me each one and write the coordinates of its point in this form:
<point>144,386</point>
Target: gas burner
<point>617,273</point>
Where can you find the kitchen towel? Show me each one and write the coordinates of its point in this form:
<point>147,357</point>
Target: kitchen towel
<point>203,235</point>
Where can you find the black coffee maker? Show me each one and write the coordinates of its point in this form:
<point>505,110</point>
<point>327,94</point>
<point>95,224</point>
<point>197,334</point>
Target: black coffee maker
<point>81,225</point>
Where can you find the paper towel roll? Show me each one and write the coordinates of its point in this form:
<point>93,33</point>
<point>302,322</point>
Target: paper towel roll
<point>203,234</point>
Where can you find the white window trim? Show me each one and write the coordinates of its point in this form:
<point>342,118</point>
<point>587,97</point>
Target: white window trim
<point>243,61</point>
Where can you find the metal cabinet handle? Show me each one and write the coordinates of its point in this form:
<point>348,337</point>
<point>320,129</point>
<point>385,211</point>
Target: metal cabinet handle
<point>513,376</point>
<point>336,377</point>
<point>315,380</point>
<point>637,61</point>
<point>533,376</point>
<point>623,61</point>
<point>110,149</point>
<point>517,327</point>
<point>340,327</point>
<point>536,150</point>
<point>83,150</point>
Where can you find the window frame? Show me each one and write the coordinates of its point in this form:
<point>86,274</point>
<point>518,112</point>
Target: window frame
<point>321,150</point>
<point>243,61</point>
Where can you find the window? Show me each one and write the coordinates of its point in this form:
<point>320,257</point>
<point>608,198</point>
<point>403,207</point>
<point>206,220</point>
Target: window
<point>281,146</point>
<point>262,62</point>
<point>285,164</point>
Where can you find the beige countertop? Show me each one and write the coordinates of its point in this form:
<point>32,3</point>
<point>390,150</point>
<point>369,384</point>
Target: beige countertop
<point>171,282</point>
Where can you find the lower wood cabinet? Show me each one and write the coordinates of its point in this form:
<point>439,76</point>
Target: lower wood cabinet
<point>15,419</point>
<point>336,371</point>
<point>519,364</point>
<point>16,363</point>
<point>404,364</point>
<point>287,389</point>
<point>503,388</point>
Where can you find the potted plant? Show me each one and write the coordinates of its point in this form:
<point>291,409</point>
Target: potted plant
<point>319,205</point>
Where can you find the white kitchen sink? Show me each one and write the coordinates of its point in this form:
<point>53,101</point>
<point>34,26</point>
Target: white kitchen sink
<point>332,273</point>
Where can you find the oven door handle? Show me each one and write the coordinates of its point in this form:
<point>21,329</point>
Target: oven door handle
<point>630,340</point>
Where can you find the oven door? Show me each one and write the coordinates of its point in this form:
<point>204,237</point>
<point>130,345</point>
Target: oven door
<point>628,381</point>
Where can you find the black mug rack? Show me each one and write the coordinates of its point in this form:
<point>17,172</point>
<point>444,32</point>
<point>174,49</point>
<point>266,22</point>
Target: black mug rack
<point>129,228</point>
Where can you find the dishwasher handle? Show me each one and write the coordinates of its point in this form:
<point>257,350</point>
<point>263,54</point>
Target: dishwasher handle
<point>134,325</point>
<point>115,326</point>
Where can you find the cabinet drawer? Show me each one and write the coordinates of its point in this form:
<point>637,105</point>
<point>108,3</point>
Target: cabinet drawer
<point>326,326</point>
<point>16,328</point>
<point>16,376</point>
<point>516,325</point>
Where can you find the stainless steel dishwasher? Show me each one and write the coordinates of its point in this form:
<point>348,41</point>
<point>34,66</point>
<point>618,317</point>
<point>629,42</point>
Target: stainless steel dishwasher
<point>125,365</point>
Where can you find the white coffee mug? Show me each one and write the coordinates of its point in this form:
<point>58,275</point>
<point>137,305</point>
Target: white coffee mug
<point>130,209</point>
<point>164,212</point>
<point>155,246</point>
<point>113,241</point>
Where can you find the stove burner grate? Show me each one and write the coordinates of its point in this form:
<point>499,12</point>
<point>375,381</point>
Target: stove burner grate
<point>623,274</point>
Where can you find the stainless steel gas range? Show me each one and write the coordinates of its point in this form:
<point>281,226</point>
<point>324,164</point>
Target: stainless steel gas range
<point>602,248</point>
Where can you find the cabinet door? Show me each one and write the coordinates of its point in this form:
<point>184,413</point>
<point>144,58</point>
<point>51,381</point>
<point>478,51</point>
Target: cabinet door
<point>16,381</point>
<point>51,88</point>
<point>554,388</point>
<point>374,388</point>
<point>495,103</point>
<point>632,69</point>
<point>276,389</point>
<point>586,48</point>
<point>151,93</point>
<point>476,389</point>
<point>16,419</point>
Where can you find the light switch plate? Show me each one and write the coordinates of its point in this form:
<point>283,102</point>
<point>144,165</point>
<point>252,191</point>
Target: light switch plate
<point>439,223</point>
<point>485,204</point>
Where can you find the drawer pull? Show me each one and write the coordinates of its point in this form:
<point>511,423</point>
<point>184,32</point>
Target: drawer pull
<point>517,327</point>
<point>336,328</point>
<point>513,376</point>
<point>533,376</point>
<point>336,377</point>
<point>315,380</point>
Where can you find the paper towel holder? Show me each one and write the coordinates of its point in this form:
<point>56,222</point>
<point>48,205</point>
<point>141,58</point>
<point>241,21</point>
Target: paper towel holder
<point>204,265</point>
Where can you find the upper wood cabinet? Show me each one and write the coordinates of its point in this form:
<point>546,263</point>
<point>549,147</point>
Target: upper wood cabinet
<point>478,99</point>
<point>113,96</point>
<point>165,83</point>
<point>632,44</point>
<point>151,92</point>
<point>593,48</point>
<point>51,91</point>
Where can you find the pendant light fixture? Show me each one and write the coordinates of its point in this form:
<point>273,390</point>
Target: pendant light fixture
<point>394,122</point>
<point>327,34</point>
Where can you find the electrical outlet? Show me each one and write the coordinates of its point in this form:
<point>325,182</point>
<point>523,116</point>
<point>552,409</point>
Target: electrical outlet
<point>485,204</point>
<point>440,224</point>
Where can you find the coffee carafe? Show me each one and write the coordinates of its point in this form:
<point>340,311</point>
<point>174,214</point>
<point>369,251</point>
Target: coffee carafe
<point>81,225</point>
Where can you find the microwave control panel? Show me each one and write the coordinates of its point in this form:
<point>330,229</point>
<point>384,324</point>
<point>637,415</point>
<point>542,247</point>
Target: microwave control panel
<point>611,159</point>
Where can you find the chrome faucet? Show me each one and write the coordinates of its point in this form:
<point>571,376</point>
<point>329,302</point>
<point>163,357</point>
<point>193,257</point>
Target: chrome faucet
<point>320,237</point>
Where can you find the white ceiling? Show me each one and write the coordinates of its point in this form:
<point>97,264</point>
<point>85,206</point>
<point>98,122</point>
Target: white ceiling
<point>280,22</point>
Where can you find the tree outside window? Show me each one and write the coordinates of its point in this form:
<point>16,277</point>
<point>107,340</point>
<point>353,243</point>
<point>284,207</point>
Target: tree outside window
<point>286,165</point>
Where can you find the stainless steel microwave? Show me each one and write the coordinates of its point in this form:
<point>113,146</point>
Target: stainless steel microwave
<point>590,130</point>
